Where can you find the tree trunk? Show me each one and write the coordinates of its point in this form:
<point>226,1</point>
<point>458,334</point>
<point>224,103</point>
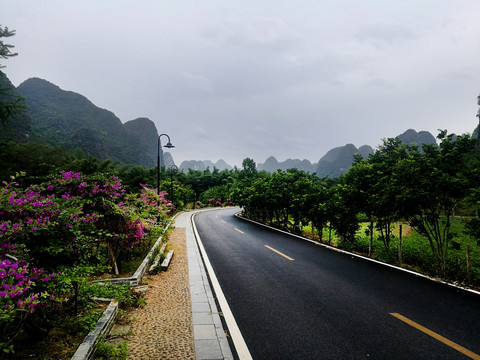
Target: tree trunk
<point>113,260</point>
<point>370,246</point>
<point>400,246</point>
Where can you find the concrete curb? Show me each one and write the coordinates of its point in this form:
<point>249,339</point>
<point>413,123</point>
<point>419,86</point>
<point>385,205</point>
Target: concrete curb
<point>89,344</point>
<point>473,291</point>
<point>157,259</point>
<point>140,272</point>
<point>167,260</point>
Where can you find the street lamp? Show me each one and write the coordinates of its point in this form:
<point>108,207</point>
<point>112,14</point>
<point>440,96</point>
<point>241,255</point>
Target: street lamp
<point>169,146</point>
<point>171,180</point>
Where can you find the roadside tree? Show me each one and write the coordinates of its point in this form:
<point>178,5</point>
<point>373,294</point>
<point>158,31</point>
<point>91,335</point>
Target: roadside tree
<point>431,186</point>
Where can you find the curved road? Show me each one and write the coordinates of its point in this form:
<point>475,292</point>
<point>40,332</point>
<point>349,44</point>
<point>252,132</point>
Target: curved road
<point>293,299</point>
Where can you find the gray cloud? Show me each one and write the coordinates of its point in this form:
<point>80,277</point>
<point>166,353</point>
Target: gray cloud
<point>231,80</point>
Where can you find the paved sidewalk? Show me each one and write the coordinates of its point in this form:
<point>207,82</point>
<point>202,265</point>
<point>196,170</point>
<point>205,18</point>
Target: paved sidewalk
<point>180,319</point>
<point>209,336</point>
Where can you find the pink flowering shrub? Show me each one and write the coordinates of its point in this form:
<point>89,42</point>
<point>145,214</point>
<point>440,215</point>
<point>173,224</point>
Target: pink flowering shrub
<point>23,291</point>
<point>69,221</point>
<point>18,287</point>
<point>148,205</point>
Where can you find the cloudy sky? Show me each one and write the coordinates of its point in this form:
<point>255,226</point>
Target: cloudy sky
<point>235,79</point>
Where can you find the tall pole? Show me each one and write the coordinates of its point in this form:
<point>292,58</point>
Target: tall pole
<point>159,145</point>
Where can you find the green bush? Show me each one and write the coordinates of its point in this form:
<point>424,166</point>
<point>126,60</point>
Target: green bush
<point>111,352</point>
<point>121,293</point>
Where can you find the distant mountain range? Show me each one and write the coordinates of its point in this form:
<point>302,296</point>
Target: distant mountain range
<point>58,117</point>
<point>336,161</point>
<point>202,165</point>
<point>333,164</point>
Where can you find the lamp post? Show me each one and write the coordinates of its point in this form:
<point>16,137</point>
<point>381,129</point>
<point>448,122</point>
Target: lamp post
<point>159,145</point>
<point>171,180</point>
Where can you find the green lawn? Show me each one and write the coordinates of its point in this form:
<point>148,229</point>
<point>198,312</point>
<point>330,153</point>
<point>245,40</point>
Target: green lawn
<point>416,251</point>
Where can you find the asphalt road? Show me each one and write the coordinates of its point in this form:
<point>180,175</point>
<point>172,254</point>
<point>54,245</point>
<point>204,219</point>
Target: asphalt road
<point>293,299</point>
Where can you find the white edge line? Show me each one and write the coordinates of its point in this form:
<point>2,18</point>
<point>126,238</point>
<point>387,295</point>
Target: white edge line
<point>361,257</point>
<point>235,334</point>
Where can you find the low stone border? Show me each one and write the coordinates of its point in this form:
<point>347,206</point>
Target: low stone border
<point>167,260</point>
<point>89,344</point>
<point>138,275</point>
<point>155,262</point>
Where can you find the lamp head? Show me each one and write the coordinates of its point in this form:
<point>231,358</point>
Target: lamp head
<point>169,145</point>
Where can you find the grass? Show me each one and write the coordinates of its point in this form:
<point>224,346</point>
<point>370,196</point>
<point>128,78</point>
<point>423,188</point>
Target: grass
<point>416,251</point>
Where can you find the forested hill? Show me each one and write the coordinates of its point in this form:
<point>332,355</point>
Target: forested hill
<point>68,119</point>
<point>18,128</point>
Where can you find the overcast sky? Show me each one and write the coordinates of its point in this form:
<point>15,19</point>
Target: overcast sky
<point>236,79</point>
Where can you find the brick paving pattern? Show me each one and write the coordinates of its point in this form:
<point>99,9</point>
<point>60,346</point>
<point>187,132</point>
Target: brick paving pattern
<point>163,328</point>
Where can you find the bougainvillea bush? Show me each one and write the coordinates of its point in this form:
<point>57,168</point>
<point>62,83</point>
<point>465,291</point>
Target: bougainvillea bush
<point>68,222</point>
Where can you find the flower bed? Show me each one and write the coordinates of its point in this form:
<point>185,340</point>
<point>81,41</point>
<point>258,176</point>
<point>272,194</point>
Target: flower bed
<point>56,235</point>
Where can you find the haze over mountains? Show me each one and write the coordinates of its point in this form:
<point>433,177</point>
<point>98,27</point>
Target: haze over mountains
<point>202,165</point>
<point>336,161</point>
<point>65,118</point>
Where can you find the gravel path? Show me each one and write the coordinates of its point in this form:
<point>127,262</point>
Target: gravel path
<point>163,328</point>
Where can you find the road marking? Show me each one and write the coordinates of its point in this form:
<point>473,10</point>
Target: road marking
<point>223,221</point>
<point>279,253</point>
<point>240,231</point>
<point>439,337</point>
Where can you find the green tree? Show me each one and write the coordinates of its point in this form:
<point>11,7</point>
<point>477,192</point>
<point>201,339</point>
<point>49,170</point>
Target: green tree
<point>342,212</point>
<point>88,165</point>
<point>35,159</point>
<point>5,52</point>
<point>431,185</point>
<point>249,168</point>
<point>313,202</point>
<point>374,191</point>
<point>10,103</point>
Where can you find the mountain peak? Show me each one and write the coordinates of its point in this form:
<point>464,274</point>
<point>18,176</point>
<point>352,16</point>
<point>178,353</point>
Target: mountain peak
<point>66,118</point>
<point>411,136</point>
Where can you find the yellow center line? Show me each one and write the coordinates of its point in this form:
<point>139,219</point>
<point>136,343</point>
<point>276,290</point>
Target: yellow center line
<point>240,231</point>
<point>279,253</point>
<point>439,337</point>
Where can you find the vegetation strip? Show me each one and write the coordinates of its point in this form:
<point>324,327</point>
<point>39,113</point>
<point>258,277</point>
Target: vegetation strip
<point>438,337</point>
